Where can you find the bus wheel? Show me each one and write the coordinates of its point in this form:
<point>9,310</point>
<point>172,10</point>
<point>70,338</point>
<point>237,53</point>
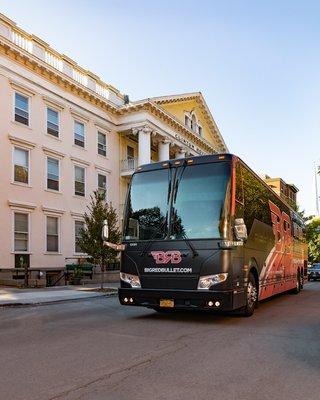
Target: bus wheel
<point>251,297</point>
<point>297,289</point>
<point>301,281</point>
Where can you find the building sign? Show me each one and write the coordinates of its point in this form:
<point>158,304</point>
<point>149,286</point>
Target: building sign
<point>189,144</point>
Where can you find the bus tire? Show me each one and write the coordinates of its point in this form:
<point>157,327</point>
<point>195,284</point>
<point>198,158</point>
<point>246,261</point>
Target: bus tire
<point>251,297</point>
<point>297,289</point>
<point>301,280</point>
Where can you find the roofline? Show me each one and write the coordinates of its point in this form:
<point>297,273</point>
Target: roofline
<point>184,96</point>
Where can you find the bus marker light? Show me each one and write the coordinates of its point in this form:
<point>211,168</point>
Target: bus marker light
<point>190,161</point>
<point>165,164</point>
<point>177,163</point>
<point>210,303</point>
<point>217,303</point>
<point>131,300</point>
<point>221,157</point>
<point>125,299</point>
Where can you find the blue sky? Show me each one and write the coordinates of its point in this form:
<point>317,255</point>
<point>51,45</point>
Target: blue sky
<point>256,62</point>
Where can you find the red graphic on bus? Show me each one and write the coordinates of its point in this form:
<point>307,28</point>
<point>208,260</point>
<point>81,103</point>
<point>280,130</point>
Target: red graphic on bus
<point>164,257</point>
<point>279,263</point>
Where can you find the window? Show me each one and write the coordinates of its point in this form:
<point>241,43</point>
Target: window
<point>130,152</point>
<point>78,226</point>
<point>52,122</point>
<point>79,133</point>
<point>21,232</point>
<point>53,234</point>
<point>21,165</point>
<point>21,109</point>
<point>130,157</point>
<point>187,121</point>
<point>199,130</point>
<point>193,123</point>
<point>79,181</point>
<point>102,185</point>
<point>102,144</point>
<point>52,174</point>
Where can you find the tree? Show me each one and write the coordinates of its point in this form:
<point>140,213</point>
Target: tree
<point>313,239</point>
<point>90,240</point>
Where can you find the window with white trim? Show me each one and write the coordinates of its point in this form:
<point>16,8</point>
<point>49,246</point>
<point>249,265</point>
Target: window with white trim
<point>78,227</point>
<point>199,130</point>
<point>102,144</point>
<point>102,185</point>
<point>79,181</point>
<point>21,232</point>
<point>21,165</point>
<point>52,234</point>
<point>21,108</point>
<point>52,122</point>
<point>79,134</point>
<point>53,173</point>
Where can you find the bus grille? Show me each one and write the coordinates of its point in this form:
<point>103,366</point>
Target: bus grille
<point>184,283</point>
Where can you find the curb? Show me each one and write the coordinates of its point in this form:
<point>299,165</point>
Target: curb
<point>44,303</point>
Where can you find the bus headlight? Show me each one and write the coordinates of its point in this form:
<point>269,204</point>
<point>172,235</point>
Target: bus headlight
<point>206,281</point>
<point>133,280</point>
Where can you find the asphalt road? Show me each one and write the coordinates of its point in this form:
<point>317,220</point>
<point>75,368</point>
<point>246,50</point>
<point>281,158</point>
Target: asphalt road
<point>96,349</point>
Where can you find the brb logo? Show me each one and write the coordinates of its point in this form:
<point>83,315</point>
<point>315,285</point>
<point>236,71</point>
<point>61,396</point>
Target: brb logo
<point>164,257</point>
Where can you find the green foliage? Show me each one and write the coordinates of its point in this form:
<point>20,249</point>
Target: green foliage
<point>313,239</point>
<point>90,240</point>
<point>78,272</point>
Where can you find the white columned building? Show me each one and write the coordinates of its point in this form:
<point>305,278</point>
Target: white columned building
<point>164,150</point>
<point>144,143</point>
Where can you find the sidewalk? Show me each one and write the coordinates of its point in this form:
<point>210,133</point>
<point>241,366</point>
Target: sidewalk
<point>12,296</point>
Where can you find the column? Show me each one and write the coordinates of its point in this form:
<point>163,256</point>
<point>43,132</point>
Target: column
<point>181,153</point>
<point>144,146</point>
<point>164,150</point>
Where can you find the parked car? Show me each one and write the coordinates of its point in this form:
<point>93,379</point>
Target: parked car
<point>314,272</point>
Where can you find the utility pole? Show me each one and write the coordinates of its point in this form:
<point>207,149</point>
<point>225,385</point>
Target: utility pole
<point>316,172</point>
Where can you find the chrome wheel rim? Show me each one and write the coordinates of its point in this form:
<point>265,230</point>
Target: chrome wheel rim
<point>251,295</point>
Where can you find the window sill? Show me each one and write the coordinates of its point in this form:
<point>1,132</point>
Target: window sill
<point>53,191</point>
<point>103,157</point>
<point>79,147</point>
<point>58,139</point>
<point>21,124</point>
<point>21,184</point>
<point>52,253</point>
<point>80,197</point>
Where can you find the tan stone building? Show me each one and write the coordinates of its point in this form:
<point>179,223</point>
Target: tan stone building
<point>287,191</point>
<point>64,133</point>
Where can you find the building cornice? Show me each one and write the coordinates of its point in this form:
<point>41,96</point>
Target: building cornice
<point>33,63</point>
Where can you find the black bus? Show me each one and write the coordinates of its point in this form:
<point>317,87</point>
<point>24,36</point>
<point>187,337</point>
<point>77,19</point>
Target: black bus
<point>207,233</point>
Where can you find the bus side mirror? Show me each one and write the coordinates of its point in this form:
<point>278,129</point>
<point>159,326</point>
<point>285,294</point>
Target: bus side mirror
<point>105,231</point>
<point>240,229</point>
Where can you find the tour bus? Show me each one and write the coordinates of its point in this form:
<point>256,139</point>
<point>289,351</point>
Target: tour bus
<point>207,233</point>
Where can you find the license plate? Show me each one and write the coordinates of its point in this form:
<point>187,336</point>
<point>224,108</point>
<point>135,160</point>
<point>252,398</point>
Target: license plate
<point>166,303</point>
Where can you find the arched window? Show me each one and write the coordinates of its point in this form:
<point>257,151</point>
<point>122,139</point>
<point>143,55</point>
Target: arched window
<point>194,123</point>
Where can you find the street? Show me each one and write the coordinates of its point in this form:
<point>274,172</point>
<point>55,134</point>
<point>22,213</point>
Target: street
<point>96,349</point>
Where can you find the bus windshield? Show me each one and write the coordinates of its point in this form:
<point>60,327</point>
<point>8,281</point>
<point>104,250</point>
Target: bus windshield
<point>196,195</point>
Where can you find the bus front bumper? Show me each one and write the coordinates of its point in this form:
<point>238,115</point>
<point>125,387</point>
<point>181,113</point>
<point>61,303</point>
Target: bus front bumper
<point>182,299</point>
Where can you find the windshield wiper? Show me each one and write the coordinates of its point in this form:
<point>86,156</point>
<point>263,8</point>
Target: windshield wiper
<point>152,239</point>
<point>185,237</point>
